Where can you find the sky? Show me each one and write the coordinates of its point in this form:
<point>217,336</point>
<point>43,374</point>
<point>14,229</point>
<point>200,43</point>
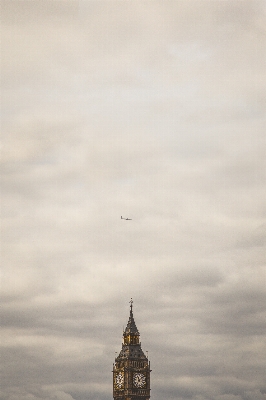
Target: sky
<point>154,110</point>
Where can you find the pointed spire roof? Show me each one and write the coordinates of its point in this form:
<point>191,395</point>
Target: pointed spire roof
<point>131,328</point>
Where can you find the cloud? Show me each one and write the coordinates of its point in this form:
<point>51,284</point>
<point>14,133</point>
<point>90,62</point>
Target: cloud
<point>154,111</point>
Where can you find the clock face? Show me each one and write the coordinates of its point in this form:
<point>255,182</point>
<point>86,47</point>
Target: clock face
<point>119,380</point>
<point>139,380</point>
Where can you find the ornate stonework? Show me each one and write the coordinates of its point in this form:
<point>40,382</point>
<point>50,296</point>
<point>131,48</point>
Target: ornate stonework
<point>131,370</point>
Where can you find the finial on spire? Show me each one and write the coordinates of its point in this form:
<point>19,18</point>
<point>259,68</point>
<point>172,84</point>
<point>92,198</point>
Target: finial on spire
<point>131,304</point>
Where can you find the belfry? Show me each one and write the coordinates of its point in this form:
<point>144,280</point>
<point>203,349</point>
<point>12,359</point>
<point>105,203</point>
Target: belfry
<point>131,370</point>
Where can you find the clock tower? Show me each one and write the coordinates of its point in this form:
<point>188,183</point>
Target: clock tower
<point>131,370</point>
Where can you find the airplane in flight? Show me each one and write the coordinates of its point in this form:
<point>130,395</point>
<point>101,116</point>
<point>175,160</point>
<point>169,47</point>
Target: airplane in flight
<point>127,219</point>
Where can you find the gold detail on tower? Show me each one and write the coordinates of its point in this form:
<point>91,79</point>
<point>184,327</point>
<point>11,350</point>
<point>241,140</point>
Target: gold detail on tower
<point>131,339</point>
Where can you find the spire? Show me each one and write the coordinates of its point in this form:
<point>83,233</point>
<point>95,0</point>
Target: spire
<point>131,328</point>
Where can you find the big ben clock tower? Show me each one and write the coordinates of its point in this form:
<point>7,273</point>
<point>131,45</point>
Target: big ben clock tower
<point>131,370</point>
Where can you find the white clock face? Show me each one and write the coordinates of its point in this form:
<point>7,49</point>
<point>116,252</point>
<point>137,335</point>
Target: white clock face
<point>119,380</point>
<point>139,380</point>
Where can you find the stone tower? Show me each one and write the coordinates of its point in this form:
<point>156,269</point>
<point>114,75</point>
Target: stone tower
<point>131,370</point>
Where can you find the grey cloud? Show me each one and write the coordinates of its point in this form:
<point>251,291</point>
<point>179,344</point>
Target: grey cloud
<point>152,110</point>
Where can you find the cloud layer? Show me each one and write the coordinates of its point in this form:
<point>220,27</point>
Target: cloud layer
<point>154,110</point>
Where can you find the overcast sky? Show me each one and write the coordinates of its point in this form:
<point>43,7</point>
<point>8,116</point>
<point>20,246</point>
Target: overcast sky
<point>156,111</point>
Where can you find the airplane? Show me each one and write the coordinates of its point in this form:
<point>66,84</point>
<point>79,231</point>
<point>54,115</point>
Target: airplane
<point>127,219</point>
